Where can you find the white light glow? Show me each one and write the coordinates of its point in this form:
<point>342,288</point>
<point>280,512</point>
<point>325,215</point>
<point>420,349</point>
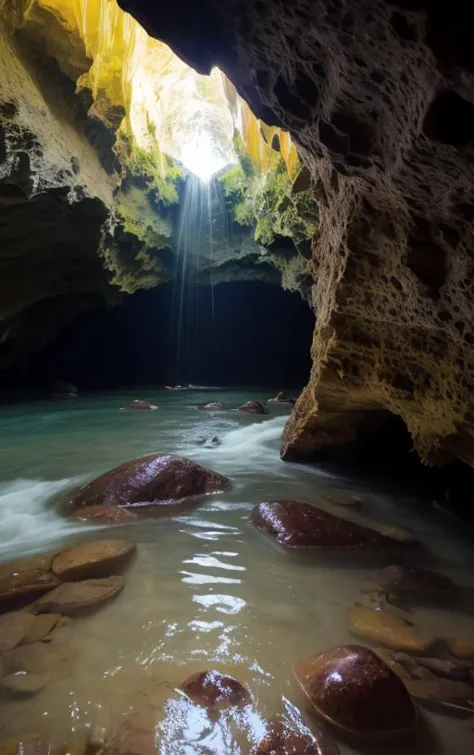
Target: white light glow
<point>201,157</point>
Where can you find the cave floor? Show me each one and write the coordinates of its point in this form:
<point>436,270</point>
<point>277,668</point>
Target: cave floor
<point>206,590</point>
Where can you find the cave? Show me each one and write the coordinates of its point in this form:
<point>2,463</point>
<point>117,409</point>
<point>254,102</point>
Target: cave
<point>236,377</point>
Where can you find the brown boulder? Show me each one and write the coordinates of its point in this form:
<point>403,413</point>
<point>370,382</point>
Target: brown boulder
<point>388,629</point>
<point>24,579</point>
<point>155,479</point>
<point>101,558</point>
<point>138,404</point>
<point>354,689</point>
<point>13,628</point>
<point>414,579</point>
<point>73,598</point>
<point>41,628</point>
<point>215,690</point>
<point>294,524</point>
<point>462,647</point>
<point>281,739</point>
<point>103,515</point>
<point>215,406</point>
<point>253,407</point>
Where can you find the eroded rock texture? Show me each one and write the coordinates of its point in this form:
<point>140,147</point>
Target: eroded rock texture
<point>380,99</point>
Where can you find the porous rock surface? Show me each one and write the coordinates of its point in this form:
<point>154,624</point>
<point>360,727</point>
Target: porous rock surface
<point>379,97</point>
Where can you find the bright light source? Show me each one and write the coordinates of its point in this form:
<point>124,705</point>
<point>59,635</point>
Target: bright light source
<point>201,157</point>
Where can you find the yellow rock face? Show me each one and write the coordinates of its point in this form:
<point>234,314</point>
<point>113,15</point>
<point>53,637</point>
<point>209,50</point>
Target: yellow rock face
<point>388,629</point>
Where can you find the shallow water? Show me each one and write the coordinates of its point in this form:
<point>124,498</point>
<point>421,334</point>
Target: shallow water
<point>205,590</point>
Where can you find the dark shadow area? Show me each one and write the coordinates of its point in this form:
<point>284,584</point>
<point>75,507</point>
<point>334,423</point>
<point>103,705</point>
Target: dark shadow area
<point>234,334</point>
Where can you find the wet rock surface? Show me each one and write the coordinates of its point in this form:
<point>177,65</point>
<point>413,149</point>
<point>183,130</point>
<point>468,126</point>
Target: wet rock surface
<point>215,690</point>
<point>137,735</point>
<point>152,479</point>
<point>462,647</point>
<point>24,684</point>
<point>139,404</point>
<point>355,690</point>
<point>414,579</point>
<point>103,515</point>
<point>25,579</point>
<point>343,499</point>
<point>30,744</point>
<point>282,739</point>
<point>215,406</point>
<point>41,628</point>
<point>75,598</point>
<point>253,407</point>
<point>101,558</point>
<point>295,524</point>
<point>388,629</point>
<point>13,628</point>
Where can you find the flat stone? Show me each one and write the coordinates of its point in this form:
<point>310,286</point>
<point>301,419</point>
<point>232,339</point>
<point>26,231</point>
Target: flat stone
<point>281,739</point>
<point>343,499</point>
<point>101,558</point>
<point>253,407</point>
<point>25,578</point>
<point>72,598</point>
<point>25,684</point>
<point>156,479</point>
<point>13,627</point>
<point>215,690</point>
<point>103,515</point>
<point>299,525</point>
<point>42,626</point>
<point>414,579</point>
<point>462,647</point>
<point>388,629</point>
<point>379,601</point>
<point>29,744</point>
<point>351,687</point>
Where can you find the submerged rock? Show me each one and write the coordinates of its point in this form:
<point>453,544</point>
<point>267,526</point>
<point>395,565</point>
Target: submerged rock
<point>296,525</point>
<point>215,690</point>
<point>28,744</point>
<point>215,406</point>
<point>103,515</point>
<point>73,598</point>
<point>388,629</point>
<point>139,404</point>
<point>13,628</point>
<point>155,479</point>
<point>253,407</point>
<point>282,739</point>
<point>462,647</point>
<point>25,684</point>
<point>351,687</point>
<point>415,579</point>
<point>101,558</point>
<point>25,579</point>
<point>42,626</point>
<point>282,398</point>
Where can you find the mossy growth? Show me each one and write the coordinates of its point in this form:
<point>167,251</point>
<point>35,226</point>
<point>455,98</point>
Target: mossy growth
<point>160,173</point>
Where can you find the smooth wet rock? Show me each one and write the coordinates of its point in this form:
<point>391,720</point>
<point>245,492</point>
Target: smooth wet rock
<point>13,628</point>
<point>351,687</point>
<point>415,579</point>
<point>282,739</point>
<point>215,406</point>
<point>101,558</point>
<point>252,407</point>
<point>42,626</point>
<point>447,669</point>
<point>441,690</point>
<point>343,499</point>
<point>29,744</point>
<point>103,515</point>
<point>298,525</point>
<point>282,398</point>
<point>395,533</point>
<point>155,479</point>
<point>72,598</point>
<point>25,578</point>
<point>22,683</point>
<point>137,735</point>
<point>142,405</point>
<point>215,690</point>
<point>462,647</point>
<point>388,629</point>
<point>379,601</point>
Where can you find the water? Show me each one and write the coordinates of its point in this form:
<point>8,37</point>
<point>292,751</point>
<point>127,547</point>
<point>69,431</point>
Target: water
<point>206,590</point>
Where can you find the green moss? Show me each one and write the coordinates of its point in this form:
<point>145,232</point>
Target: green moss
<point>160,173</point>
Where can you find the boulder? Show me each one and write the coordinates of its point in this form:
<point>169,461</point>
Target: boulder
<point>447,669</point>
<point>415,579</point>
<point>72,598</point>
<point>252,407</point>
<point>215,406</point>
<point>101,558</point>
<point>155,479</point>
<point>41,628</point>
<point>28,744</point>
<point>103,515</point>
<point>282,398</point>
<point>25,684</point>
<point>388,629</point>
<point>139,404</point>
<point>215,690</point>
<point>380,601</point>
<point>462,647</point>
<point>282,739</point>
<point>295,525</point>
<point>25,579</point>
<point>351,687</point>
<point>13,628</point>
<point>441,690</point>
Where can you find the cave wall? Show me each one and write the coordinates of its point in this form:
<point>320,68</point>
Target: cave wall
<point>379,97</point>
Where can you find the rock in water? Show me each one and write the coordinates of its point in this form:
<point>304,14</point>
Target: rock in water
<point>25,684</point>
<point>103,515</point>
<point>252,407</point>
<point>42,626</point>
<point>388,629</point>
<point>72,598</point>
<point>30,744</point>
<point>282,739</point>
<point>214,690</point>
<point>25,579</point>
<point>296,525</point>
<point>101,558</point>
<point>215,406</point>
<point>13,628</point>
<point>415,579</point>
<point>354,689</point>
<point>136,736</point>
<point>153,479</point>
<point>138,404</point>
<point>462,647</point>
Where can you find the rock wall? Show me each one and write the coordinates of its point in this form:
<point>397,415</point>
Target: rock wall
<point>379,97</point>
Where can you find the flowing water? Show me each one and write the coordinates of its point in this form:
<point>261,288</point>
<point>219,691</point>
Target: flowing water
<point>206,590</point>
